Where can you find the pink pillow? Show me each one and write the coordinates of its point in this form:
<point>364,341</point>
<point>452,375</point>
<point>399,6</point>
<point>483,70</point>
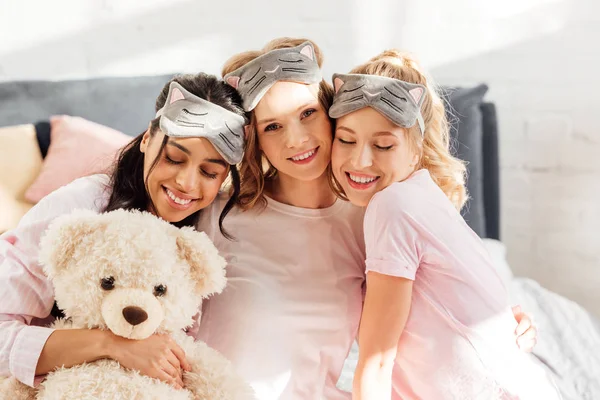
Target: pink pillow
<point>78,147</point>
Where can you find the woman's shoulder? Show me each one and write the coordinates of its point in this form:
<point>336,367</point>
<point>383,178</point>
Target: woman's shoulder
<point>209,216</point>
<point>90,192</point>
<point>409,200</point>
<point>216,207</point>
<point>98,182</point>
<point>407,195</point>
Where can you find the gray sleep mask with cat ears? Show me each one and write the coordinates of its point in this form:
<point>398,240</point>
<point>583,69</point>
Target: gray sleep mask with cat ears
<point>185,115</point>
<point>398,101</point>
<point>295,64</point>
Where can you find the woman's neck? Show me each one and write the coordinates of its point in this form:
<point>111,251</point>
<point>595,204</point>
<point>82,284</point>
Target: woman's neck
<point>312,194</point>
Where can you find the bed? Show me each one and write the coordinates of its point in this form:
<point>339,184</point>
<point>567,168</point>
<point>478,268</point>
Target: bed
<point>569,338</point>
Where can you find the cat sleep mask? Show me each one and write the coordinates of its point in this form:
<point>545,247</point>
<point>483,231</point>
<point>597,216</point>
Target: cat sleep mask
<point>398,101</point>
<point>185,115</point>
<point>295,64</point>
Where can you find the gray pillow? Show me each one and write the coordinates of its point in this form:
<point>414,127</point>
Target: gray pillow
<point>125,104</point>
<point>467,133</point>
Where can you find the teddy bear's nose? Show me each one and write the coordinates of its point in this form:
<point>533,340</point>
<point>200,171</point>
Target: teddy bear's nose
<point>134,315</point>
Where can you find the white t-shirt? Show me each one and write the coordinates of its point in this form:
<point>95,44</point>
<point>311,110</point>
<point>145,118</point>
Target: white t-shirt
<point>292,305</point>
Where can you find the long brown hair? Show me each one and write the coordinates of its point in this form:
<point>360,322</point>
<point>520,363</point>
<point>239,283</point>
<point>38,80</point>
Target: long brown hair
<point>255,169</point>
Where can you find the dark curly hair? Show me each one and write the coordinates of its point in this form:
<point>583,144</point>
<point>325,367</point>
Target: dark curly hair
<point>129,189</point>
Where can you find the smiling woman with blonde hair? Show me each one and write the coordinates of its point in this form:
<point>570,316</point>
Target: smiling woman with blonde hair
<point>291,310</point>
<point>436,323</point>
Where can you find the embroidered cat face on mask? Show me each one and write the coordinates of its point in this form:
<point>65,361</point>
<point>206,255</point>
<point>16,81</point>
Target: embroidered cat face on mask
<point>398,101</point>
<point>186,115</point>
<point>295,64</point>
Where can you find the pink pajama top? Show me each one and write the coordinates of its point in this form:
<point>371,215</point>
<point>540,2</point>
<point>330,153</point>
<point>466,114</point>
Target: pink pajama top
<point>459,340</point>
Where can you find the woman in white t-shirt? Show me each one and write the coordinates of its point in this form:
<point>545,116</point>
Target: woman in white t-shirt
<point>292,306</point>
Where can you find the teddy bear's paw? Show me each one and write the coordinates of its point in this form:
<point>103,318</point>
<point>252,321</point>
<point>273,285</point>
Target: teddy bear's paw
<point>212,376</point>
<point>220,387</point>
<point>12,389</point>
<point>106,380</point>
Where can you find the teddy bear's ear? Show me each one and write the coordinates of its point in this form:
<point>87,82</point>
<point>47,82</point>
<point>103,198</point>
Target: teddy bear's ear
<point>206,265</point>
<point>63,235</point>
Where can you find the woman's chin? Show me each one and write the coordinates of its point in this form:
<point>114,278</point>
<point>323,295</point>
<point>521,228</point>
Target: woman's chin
<point>173,216</point>
<point>309,175</point>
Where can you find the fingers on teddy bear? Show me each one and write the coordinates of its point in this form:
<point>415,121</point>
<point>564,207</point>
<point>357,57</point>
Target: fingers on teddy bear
<point>136,275</point>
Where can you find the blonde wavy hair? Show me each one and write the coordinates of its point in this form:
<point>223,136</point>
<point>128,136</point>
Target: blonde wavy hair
<point>448,172</point>
<point>255,169</point>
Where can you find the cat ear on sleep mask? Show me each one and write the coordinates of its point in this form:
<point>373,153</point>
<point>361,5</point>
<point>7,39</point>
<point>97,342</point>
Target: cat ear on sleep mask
<point>397,100</point>
<point>186,115</point>
<point>295,64</point>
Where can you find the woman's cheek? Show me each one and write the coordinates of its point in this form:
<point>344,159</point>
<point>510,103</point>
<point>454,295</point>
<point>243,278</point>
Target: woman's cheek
<point>336,155</point>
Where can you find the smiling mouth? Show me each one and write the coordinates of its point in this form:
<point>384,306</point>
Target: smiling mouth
<point>177,202</point>
<point>361,182</point>
<point>306,157</point>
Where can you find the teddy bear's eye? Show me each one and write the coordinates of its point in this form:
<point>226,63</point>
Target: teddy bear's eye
<point>160,290</point>
<point>108,283</point>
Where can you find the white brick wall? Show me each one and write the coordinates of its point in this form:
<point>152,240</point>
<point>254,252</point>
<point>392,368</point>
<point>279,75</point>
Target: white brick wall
<point>546,90</point>
<point>540,58</point>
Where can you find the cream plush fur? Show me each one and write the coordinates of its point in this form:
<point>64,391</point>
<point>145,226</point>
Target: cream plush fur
<point>139,252</point>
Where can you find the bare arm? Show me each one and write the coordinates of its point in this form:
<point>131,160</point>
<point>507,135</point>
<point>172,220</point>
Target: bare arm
<point>157,356</point>
<point>385,312</point>
<point>27,293</point>
<point>71,347</point>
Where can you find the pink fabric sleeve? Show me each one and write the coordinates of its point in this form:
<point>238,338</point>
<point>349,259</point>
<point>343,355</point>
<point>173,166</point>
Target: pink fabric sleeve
<point>25,291</point>
<point>391,237</point>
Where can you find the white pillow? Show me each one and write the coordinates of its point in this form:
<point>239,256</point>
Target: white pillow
<point>20,163</point>
<point>20,159</point>
<point>497,252</point>
<point>11,210</point>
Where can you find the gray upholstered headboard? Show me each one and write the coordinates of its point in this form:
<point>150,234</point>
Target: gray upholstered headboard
<point>491,171</point>
<point>475,140</point>
<point>125,104</point>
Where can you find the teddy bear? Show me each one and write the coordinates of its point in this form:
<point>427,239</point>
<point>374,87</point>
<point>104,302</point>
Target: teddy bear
<point>136,275</point>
